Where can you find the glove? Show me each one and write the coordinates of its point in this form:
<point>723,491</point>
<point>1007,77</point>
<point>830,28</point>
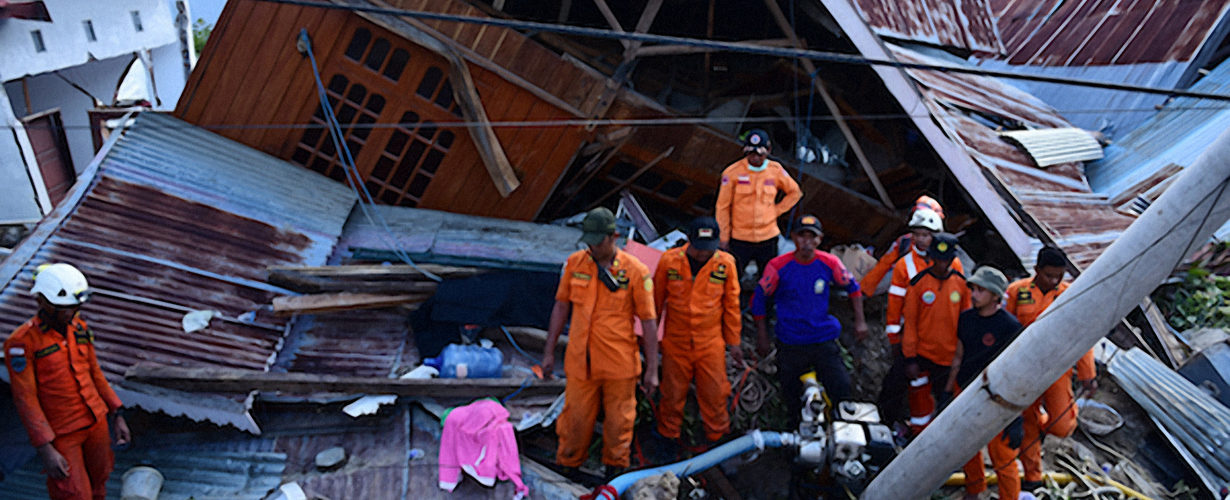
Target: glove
<point>1015,433</point>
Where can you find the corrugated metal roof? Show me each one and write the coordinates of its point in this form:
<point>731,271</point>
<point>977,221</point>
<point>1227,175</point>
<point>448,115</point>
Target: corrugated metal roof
<point>171,214</point>
<point>1197,425</point>
<point>964,24</point>
<point>972,109</point>
<point>1100,32</point>
<point>1054,146</point>
<point>1175,135</point>
<point>1157,43</point>
<point>363,343</point>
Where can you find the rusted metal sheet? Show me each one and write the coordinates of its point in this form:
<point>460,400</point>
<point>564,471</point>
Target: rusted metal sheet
<point>972,110</point>
<point>964,24</point>
<point>169,219</point>
<point>351,343</point>
<point>1105,32</point>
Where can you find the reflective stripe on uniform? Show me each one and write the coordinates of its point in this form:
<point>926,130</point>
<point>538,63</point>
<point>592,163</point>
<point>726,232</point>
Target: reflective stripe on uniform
<point>896,290</point>
<point>919,382</point>
<point>910,268</point>
<point>892,329</point>
<point>920,421</point>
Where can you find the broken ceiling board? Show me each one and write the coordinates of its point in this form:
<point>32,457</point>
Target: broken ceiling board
<point>344,301</point>
<point>226,380</point>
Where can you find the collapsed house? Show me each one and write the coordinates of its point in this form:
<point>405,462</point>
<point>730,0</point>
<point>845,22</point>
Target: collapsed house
<point>492,121</point>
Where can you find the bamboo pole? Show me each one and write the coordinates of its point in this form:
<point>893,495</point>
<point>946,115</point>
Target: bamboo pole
<point>1179,222</point>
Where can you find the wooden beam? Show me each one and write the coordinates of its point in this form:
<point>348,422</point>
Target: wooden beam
<point>242,381</point>
<point>342,301</point>
<point>611,20</point>
<point>642,26</point>
<point>591,169</point>
<point>673,50</point>
<point>399,278</point>
<point>633,178</point>
<point>784,24</point>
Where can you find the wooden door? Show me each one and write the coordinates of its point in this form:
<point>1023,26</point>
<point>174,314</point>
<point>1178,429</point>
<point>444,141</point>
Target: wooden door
<point>46,133</point>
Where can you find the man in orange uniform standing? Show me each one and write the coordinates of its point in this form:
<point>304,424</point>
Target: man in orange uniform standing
<point>924,224</point>
<point>59,390</point>
<point>696,291</point>
<point>1027,299</point>
<point>602,289</point>
<point>933,303</point>
<point>747,207</point>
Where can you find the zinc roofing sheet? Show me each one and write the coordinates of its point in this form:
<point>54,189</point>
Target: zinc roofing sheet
<point>964,24</point>
<point>971,110</point>
<point>170,218</point>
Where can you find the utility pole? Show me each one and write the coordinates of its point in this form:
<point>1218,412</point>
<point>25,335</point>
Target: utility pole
<point>1180,221</point>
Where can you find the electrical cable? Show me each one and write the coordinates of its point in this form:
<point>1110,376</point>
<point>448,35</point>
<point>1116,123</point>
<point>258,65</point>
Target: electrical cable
<point>831,57</point>
<point>517,346</point>
<point>353,177</point>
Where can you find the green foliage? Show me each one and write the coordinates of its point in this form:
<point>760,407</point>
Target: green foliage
<point>1200,300</point>
<point>200,33</point>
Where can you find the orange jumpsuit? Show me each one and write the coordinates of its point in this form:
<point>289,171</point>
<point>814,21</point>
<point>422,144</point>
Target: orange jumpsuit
<point>701,318</point>
<point>747,207</point>
<point>1027,302</point>
<point>904,270</point>
<point>63,399</point>
<point>602,359</point>
<point>931,308</point>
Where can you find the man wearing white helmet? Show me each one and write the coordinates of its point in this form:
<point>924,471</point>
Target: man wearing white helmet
<point>61,395</point>
<point>924,224</point>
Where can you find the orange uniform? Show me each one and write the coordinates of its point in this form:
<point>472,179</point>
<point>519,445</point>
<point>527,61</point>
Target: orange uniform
<point>931,308</point>
<point>895,252</point>
<point>602,360</point>
<point>905,270</point>
<point>63,399</point>
<point>701,318</point>
<point>747,207</point>
<point>1027,302</point>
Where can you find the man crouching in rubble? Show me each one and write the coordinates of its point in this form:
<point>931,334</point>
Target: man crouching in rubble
<point>602,288</point>
<point>59,390</point>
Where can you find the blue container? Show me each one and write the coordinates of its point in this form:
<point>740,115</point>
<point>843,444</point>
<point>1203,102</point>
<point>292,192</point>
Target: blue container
<point>468,361</point>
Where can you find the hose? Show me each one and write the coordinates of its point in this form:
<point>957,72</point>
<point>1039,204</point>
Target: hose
<point>755,440</point>
<point>958,479</point>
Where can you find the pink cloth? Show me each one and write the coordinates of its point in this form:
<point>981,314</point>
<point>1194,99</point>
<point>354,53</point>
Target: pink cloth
<point>479,439</point>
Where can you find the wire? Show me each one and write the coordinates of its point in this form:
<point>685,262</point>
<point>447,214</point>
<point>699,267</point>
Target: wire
<point>515,345</point>
<point>353,177</point>
<point>748,48</point>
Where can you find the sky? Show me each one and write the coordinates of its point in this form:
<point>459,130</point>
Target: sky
<point>209,10</point>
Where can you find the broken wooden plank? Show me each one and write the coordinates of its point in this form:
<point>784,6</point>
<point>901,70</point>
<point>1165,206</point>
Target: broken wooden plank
<point>364,278</point>
<point>243,381</point>
<point>343,301</point>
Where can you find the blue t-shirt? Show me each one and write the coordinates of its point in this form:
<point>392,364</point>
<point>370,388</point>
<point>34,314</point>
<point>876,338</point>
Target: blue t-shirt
<point>801,292</point>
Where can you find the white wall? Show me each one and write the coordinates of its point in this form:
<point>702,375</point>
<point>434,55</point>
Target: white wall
<point>18,201</point>
<point>48,91</point>
<point>65,37</point>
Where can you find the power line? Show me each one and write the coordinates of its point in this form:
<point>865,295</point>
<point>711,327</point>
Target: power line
<point>628,122</point>
<point>829,57</point>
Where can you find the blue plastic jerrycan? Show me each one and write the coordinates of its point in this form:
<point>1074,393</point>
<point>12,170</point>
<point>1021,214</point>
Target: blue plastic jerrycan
<point>468,361</point>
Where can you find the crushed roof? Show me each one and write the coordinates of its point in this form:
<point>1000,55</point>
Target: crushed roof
<point>170,218</point>
<point>972,110</point>
<point>964,24</point>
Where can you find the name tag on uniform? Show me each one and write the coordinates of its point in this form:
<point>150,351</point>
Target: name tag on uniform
<point>744,179</point>
<point>1024,296</point>
<point>673,275</point>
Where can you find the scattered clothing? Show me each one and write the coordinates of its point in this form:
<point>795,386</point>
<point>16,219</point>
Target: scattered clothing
<point>479,440</point>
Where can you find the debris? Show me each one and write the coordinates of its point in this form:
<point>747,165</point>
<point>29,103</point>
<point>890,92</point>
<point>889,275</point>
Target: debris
<point>288,491</point>
<point>368,405</point>
<point>369,278</point>
<point>331,459</point>
<point>198,320</point>
<point>664,486</point>
<point>344,301</point>
<point>1098,418</point>
<point>141,483</point>
<point>242,381</point>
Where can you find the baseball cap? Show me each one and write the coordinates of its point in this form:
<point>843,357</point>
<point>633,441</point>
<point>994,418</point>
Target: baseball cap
<point>756,138</point>
<point>943,246</point>
<point>703,233</point>
<point>597,225</point>
<point>808,222</point>
<point>990,278</point>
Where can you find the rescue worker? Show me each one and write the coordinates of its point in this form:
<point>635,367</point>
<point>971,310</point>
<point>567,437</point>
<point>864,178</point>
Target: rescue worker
<point>65,403</point>
<point>1027,299</point>
<point>924,223</point>
<point>601,289</point>
<point>906,243</point>
<point>800,284</point>
<point>983,332</point>
<point>697,292</point>
<point>747,207</point>
<point>933,301</point>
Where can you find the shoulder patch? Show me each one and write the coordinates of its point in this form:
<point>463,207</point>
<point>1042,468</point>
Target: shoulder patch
<point>648,284</point>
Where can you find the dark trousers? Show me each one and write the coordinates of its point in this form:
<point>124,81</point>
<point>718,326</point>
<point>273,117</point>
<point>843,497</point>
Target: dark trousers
<point>795,360</point>
<point>892,400</point>
<point>761,252</point>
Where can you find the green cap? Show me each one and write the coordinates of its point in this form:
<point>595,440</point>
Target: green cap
<point>597,225</point>
<point>990,278</point>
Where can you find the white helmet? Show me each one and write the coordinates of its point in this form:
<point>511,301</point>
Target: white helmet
<point>61,284</point>
<point>926,219</point>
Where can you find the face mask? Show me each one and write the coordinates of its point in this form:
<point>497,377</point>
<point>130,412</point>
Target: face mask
<point>757,168</point>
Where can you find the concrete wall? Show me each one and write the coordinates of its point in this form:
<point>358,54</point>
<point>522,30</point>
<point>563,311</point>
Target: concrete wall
<point>18,201</point>
<point>65,37</point>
